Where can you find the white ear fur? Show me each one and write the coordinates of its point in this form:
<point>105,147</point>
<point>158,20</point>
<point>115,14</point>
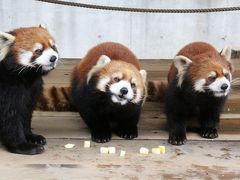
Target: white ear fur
<point>143,74</point>
<point>227,51</point>
<point>44,26</point>
<point>6,40</point>
<point>181,63</point>
<point>102,61</point>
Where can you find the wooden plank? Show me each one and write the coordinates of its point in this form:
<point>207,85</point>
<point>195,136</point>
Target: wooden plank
<point>70,125</point>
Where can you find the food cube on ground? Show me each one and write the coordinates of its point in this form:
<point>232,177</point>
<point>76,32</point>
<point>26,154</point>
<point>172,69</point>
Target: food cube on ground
<point>144,150</point>
<point>86,144</point>
<point>103,150</point>
<point>69,146</point>
<point>111,150</point>
<point>156,150</point>
<point>162,149</point>
<point>122,153</point>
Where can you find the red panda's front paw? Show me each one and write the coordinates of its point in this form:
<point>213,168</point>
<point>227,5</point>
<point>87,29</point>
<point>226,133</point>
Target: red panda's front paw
<point>209,133</point>
<point>127,133</point>
<point>177,139</point>
<point>101,137</point>
<point>26,148</point>
<point>36,139</point>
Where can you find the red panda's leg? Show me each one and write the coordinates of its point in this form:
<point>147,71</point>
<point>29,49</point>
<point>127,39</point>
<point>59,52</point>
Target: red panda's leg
<point>13,137</point>
<point>99,127</point>
<point>31,137</point>
<point>176,128</point>
<point>126,125</point>
<point>209,120</point>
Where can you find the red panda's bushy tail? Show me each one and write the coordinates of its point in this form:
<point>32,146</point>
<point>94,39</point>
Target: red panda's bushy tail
<point>156,90</point>
<point>55,99</point>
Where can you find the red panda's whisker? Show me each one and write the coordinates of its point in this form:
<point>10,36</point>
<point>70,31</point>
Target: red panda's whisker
<point>38,68</point>
<point>24,68</point>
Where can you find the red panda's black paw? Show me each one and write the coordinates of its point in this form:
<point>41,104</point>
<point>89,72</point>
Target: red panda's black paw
<point>127,133</point>
<point>177,140</point>
<point>209,133</point>
<point>101,137</point>
<point>26,148</point>
<point>36,139</point>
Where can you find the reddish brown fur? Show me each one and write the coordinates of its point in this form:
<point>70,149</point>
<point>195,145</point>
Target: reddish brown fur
<point>37,34</point>
<point>54,99</point>
<point>204,57</point>
<point>114,51</point>
<point>156,91</point>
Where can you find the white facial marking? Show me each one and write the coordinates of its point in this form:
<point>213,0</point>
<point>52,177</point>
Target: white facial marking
<point>102,83</point>
<point>51,42</point>
<point>116,100</point>
<point>212,73</point>
<point>198,86</point>
<point>37,46</point>
<point>134,80</point>
<point>115,90</point>
<point>227,72</point>
<point>25,58</point>
<point>215,87</point>
<point>138,97</point>
<point>44,59</point>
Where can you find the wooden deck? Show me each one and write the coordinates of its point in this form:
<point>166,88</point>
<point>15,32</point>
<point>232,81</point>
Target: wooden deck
<point>198,159</point>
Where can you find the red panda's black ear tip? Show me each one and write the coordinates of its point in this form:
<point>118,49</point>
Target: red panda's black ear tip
<point>44,26</point>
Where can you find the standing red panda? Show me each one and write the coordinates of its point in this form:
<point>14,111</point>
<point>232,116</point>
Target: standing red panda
<point>108,90</point>
<point>26,54</point>
<point>199,83</point>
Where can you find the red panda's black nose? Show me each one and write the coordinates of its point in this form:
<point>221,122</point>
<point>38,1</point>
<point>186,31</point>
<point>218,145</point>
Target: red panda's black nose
<point>224,86</point>
<point>53,59</point>
<point>124,91</point>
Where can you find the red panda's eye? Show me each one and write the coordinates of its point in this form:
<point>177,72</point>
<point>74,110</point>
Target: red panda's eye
<point>227,75</point>
<point>38,52</point>
<point>133,85</point>
<point>212,78</point>
<point>116,79</point>
<point>54,48</point>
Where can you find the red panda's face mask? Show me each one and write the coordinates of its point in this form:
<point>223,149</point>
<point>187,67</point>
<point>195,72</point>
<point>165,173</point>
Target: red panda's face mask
<point>121,80</point>
<point>208,73</point>
<point>33,48</point>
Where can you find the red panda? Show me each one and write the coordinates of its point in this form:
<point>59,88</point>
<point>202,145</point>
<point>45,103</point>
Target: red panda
<point>108,90</point>
<point>26,54</point>
<point>199,83</point>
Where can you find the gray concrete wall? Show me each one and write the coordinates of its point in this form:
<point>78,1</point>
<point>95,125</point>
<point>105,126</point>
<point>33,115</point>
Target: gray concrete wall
<point>148,35</point>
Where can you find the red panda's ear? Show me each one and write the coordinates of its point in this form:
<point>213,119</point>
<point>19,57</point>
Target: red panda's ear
<point>103,60</point>
<point>143,74</point>
<point>44,26</point>
<point>6,40</point>
<point>226,52</point>
<point>181,63</point>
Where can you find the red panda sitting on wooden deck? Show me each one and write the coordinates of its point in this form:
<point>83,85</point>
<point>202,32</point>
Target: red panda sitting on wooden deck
<point>199,83</point>
<point>108,90</point>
